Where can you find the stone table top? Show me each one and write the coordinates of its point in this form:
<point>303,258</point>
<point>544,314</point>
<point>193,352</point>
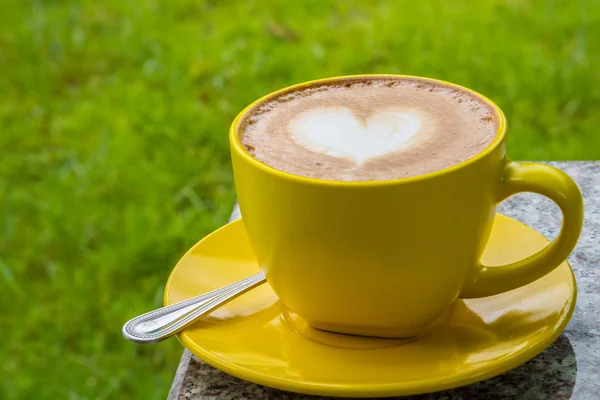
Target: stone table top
<point>568,369</point>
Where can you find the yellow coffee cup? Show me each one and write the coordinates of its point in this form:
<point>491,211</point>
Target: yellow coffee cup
<point>386,258</point>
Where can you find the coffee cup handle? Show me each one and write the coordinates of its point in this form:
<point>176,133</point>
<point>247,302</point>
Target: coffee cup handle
<point>558,187</point>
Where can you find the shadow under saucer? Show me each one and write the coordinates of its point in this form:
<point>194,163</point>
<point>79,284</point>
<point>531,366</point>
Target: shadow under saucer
<point>550,375</point>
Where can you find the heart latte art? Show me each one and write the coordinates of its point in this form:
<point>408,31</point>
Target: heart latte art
<point>374,128</point>
<point>337,132</point>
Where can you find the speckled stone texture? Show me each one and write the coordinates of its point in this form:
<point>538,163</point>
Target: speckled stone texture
<point>568,369</point>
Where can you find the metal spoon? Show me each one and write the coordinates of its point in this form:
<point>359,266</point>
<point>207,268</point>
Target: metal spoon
<point>160,324</point>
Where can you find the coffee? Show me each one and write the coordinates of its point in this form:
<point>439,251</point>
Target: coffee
<point>369,128</point>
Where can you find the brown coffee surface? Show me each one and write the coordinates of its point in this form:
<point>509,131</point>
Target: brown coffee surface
<point>369,129</point>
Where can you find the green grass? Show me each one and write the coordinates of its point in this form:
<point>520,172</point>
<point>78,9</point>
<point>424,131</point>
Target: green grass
<point>114,154</point>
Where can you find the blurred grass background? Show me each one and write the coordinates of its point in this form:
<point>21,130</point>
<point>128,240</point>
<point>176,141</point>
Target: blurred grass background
<point>114,154</point>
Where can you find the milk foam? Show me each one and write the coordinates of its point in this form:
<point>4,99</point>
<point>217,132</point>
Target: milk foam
<point>368,129</point>
<point>337,132</point>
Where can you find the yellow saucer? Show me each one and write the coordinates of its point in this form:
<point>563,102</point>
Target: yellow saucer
<point>255,339</point>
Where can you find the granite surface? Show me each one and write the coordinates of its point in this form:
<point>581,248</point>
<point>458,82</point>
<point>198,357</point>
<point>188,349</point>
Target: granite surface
<point>568,369</point>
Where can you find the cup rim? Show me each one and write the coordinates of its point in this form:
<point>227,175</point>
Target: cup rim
<point>238,147</point>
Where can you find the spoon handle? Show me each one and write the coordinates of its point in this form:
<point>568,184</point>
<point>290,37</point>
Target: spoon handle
<point>162,323</point>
